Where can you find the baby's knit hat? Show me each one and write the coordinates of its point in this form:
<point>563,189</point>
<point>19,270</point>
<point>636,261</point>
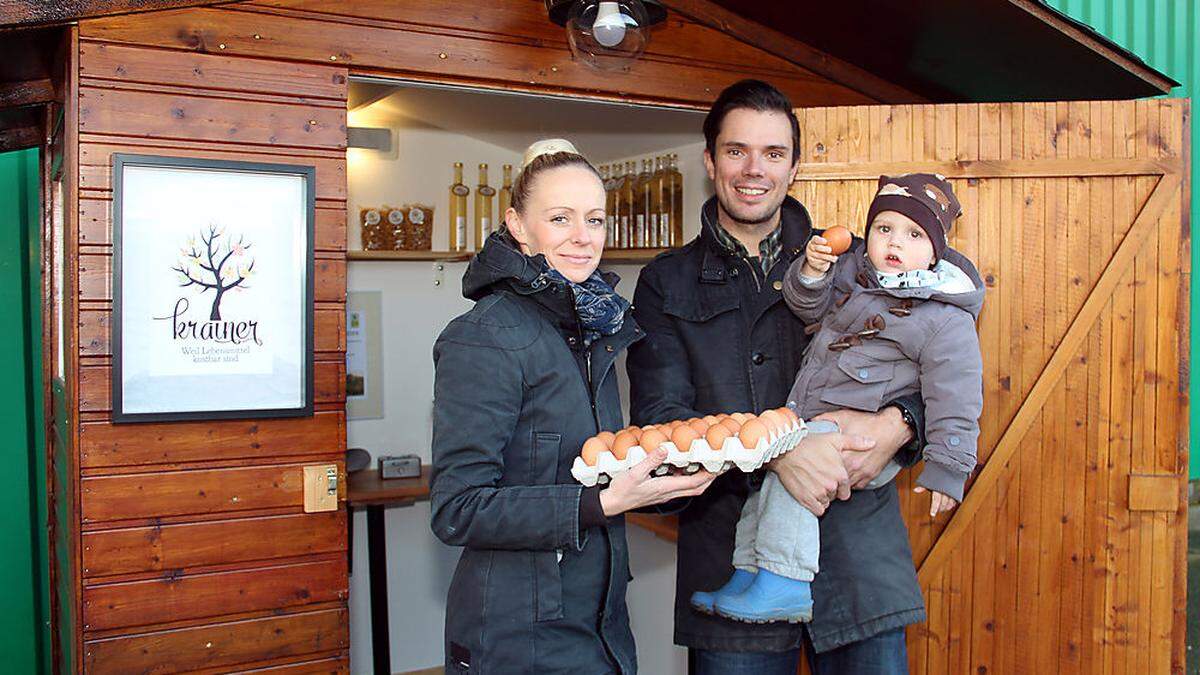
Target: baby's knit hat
<point>927,198</point>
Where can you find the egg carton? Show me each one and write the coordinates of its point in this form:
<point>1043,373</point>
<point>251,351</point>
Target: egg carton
<point>700,455</point>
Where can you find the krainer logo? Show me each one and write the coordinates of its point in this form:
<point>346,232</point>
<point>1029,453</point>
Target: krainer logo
<point>217,265</point>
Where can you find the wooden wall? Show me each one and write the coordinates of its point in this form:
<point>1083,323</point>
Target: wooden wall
<point>189,544</point>
<point>195,550</point>
<point>1068,554</point>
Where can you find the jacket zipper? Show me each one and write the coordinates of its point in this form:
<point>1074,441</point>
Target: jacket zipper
<point>587,359</point>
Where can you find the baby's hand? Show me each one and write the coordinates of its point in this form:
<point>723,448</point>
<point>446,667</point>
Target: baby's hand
<point>818,257</point>
<point>939,503</point>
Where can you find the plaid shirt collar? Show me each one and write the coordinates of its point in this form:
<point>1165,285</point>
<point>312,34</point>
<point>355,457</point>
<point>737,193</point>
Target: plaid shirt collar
<point>768,249</point>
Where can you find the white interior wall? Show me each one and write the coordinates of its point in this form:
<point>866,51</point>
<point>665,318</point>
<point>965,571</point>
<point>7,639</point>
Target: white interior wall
<point>414,311</point>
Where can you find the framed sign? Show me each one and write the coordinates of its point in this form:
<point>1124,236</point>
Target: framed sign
<point>212,289</point>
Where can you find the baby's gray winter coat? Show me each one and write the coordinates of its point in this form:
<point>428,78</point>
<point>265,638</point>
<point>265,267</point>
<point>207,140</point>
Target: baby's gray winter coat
<point>876,344</point>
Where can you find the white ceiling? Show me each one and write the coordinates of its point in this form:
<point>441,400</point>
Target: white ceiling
<point>602,131</point>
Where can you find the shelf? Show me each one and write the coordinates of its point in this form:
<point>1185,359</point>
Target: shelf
<point>636,255</point>
<point>444,256</point>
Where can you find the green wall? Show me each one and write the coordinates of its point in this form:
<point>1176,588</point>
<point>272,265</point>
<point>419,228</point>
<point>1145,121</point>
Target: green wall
<point>24,623</point>
<point>1163,34</point>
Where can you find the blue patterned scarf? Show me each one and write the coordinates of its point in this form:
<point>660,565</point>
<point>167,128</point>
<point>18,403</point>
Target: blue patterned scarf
<point>600,309</point>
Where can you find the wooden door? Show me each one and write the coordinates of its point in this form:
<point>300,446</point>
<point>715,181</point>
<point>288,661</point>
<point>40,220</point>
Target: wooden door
<point>1068,553</point>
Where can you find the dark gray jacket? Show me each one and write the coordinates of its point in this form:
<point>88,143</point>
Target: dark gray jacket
<point>719,339</point>
<point>925,343</point>
<point>516,394</point>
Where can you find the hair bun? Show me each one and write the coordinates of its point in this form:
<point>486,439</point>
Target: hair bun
<point>547,146</point>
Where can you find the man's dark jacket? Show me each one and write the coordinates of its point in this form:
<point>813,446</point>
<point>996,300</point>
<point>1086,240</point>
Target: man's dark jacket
<point>719,338</point>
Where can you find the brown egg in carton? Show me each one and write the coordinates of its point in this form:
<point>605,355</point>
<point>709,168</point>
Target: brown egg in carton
<point>715,443</point>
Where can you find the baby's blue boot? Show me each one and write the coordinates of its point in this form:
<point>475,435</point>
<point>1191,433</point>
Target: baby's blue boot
<point>770,598</point>
<point>702,601</point>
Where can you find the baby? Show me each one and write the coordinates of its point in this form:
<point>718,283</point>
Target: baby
<point>896,315</point>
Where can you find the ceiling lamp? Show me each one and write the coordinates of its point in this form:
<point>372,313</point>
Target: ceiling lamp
<point>607,34</point>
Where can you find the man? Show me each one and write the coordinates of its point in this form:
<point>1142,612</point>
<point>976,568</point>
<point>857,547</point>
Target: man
<point>719,338</point>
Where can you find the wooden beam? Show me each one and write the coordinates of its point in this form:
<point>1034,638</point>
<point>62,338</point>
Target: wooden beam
<point>25,13</point>
<point>1138,69</point>
<point>18,138</point>
<point>990,168</point>
<point>1101,294</point>
<point>790,49</point>
<point>29,92</point>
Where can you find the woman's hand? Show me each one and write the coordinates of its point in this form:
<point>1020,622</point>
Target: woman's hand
<point>939,503</point>
<point>635,488</point>
<point>818,257</point>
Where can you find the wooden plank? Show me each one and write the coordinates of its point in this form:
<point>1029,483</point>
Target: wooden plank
<point>103,444</point>
<point>334,665</point>
<point>1155,492</point>
<point>26,93</point>
<point>95,277</point>
<point>1035,167</point>
<point>95,331</point>
<point>95,172</point>
<point>176,598</point>
<point>1118,610</point>
<point>219,645</point>
<point>982,627</point>
<point>138,113</point>
<point>25,13</point>
<point>1145,328</point>
<point>1097,575</point>
<point>187,545</point>
<point>1006,300</point>
<point>1147,219</point>
<point>191,492</point>
<point>94,389</point>
<point>465,55</point>
<point>120,63</point>
<point>1079,236</point>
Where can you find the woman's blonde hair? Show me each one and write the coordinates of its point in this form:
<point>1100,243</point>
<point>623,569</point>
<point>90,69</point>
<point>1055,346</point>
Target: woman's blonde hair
<point>543,155</point>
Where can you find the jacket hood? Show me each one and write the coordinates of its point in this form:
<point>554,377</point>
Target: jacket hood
<point>960,272</point>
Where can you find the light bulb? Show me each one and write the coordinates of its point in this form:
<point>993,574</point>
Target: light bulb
<point>609,28</point>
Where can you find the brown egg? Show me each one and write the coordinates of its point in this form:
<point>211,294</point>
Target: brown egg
<point>648,427</point>
<point>731,424</point>
<point>699,426</point>
<point>683,436</point>
<point>606,437</point>
<point>711,420</point>
<point>752,431</point>
<point>636,431</point>
<point>652,439</point>
<point>789,414</point>
<point>716,436</point>
<point>838,238</point>
<point>622,443</point>
<point>740,417</point>
<point>675,424</point>
<point>592,448</point>
<point>774,421</point>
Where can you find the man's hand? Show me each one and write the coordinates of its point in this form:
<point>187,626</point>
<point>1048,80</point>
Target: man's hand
<point>813,471</point>
<point>886,427</point>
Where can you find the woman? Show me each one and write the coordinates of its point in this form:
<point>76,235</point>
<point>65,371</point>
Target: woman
<point>522,380</point>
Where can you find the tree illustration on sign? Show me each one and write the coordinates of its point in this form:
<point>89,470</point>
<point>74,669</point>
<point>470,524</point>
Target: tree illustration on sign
<point>228,268</point>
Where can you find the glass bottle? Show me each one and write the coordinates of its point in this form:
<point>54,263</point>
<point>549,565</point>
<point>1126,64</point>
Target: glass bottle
<point>675,209</point>
<point>628,201</point>
<point>609,231</point>
<point>458,210</point>
<point>505,198</point>
<point>484,194</point>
